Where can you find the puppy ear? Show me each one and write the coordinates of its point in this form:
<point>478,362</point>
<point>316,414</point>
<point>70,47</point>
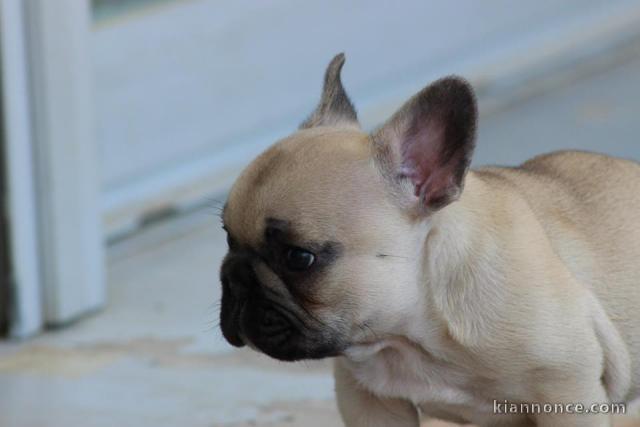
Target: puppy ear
<point>429,142</point>
<point>335,107</point>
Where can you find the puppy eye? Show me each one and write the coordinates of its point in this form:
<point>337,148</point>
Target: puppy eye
<point>299,259</point>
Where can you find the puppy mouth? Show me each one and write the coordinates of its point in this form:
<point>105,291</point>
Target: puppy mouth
<point>274,330</point>
<point>268,328</point>
<point>249,322</point>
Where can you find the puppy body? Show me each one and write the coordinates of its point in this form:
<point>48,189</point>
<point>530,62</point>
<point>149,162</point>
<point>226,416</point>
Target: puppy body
<point>528,298</point>
<point>524,287</point>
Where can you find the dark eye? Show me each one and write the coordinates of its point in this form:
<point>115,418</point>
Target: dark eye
<point>298,259</point>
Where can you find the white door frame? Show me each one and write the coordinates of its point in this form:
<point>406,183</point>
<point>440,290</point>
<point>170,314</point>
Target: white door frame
<point>67,177</point>
<point>25,269</point>
<point>53,179</point>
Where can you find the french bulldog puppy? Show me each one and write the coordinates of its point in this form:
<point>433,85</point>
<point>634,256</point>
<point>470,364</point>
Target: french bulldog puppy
<point>438,290</point>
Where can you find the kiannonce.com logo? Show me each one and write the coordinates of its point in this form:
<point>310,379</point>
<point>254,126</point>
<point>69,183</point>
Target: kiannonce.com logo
<point>512,408</point>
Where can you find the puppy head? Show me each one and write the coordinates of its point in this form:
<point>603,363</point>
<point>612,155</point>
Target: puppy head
<point>325,229</point>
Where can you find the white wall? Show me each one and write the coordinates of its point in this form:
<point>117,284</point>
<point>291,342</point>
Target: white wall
<point>188,93</point>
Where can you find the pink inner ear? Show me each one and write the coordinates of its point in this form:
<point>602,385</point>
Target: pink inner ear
<point>434,137</point>
<point>424,162</point>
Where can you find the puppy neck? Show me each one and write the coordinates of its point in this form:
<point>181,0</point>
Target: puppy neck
<point>456,231</point>
<point>463,259</point>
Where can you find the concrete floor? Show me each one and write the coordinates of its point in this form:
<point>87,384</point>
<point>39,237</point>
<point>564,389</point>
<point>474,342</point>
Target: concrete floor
<point>155,356</point>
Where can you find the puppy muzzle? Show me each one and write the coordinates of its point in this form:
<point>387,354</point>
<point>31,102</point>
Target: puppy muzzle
<point>247,316</point>
<point>280,329</point>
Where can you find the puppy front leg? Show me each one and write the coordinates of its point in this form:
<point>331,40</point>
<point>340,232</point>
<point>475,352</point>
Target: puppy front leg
<point>360,408</point>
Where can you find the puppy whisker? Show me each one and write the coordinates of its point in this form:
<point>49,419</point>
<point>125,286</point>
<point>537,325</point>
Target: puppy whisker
<point>215,206</point>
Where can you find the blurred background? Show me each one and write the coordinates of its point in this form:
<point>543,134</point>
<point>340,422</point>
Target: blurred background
<point>123,123</point>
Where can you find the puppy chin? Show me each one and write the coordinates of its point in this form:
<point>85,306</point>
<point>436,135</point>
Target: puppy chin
<point>294,351</point>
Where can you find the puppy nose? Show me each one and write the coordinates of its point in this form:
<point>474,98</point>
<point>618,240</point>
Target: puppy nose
<point>235,287</point>
<point>237,275</point>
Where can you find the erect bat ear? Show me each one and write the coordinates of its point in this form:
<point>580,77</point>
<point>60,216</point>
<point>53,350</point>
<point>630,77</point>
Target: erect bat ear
<point>335,107</point>
<point>427,145</point>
